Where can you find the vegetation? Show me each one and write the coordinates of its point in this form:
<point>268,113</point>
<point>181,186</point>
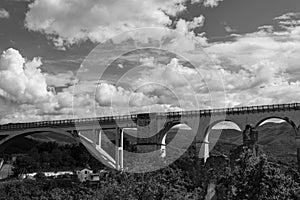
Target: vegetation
<point>248,176</point>
<point>53,157</point>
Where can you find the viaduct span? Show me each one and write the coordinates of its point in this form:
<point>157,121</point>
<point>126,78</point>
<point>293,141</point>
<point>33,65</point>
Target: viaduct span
<point>152,128</point>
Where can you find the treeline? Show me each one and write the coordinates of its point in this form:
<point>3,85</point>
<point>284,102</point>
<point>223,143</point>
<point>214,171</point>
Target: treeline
<point>51,156</point>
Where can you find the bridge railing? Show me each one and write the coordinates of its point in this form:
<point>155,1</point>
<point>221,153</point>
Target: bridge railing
<point>247,109</point>
<point>73,122</point>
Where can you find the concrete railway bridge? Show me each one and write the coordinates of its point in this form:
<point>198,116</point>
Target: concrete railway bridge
<point>152,128</point>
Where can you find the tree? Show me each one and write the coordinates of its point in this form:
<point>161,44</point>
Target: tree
<point>253,177</point>
<point>25,164</point>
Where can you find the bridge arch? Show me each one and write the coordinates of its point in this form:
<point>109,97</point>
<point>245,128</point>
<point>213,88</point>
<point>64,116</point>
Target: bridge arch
<point>286,119</point>
<point>206,146</point>
<point>211,125</point>
<point>163,137</point>
<point>293,125</point>
<point>33,131</point>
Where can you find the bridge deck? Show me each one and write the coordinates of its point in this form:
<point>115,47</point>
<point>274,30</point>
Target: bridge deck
<point>133,117</point>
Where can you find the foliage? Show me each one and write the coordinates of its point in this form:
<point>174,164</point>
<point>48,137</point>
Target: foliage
<point>52,157</point>
<point>253,177</point>
<point>247,176</point>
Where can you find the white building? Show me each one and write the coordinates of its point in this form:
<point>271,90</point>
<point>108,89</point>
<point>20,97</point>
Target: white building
<point>87,175</point>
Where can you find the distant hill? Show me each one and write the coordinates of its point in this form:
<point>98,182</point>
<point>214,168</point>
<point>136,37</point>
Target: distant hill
<point>277,140</point>
<point>52,137</point>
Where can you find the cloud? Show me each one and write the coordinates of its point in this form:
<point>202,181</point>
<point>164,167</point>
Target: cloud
<point>261,67</point>
<point>257,68</point>
<point>26,96</point>
<point>22,80</point>
<point>60,79</point>
<point>4,13</point>
<point>289,20</point>
<point>173,74</point>
<point>68,22</point>
<point>228,28</point>
<point>207,3</point>
<point>187,27</point>
<point>109,95</point>
<point>152,85</point>
<point>6,106</point>
<point>211,3</point>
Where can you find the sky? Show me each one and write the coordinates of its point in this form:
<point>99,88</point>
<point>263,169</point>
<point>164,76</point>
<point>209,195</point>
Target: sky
<point>63,58</point>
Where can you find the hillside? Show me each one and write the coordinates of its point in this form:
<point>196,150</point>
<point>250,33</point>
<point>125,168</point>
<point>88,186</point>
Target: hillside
<point>276,140</point>
<point>52,137</point>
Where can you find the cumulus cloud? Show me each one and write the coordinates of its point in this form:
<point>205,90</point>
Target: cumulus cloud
<point>116,100</point>
<point>173,74</point>
<point>25,94</point>
<point>289,20</point>
<point>187,26</point>
<point>4,13</point>
<point>257,68</point>
<point>6,106</point>
<point>110,95</point>
<point>171,85</point>
<point>211,3</point>
<point>187,29</point>
<point>68,22</point>
<point>261,67</point>
<point>155,85</point>
<point>207,3</point>
<point>22,80</point>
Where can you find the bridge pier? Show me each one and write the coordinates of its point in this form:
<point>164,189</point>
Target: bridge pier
<point>298,151</point>
<point>206,150</point>
<point>119,149</point>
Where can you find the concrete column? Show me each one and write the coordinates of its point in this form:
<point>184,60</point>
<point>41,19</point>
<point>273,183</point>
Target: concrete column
<point>298,151</point>
<point>97,137</point>
<point>206,148</point>
<point>121,150</point>
<point>163,149</point>
<point>117,145</point>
